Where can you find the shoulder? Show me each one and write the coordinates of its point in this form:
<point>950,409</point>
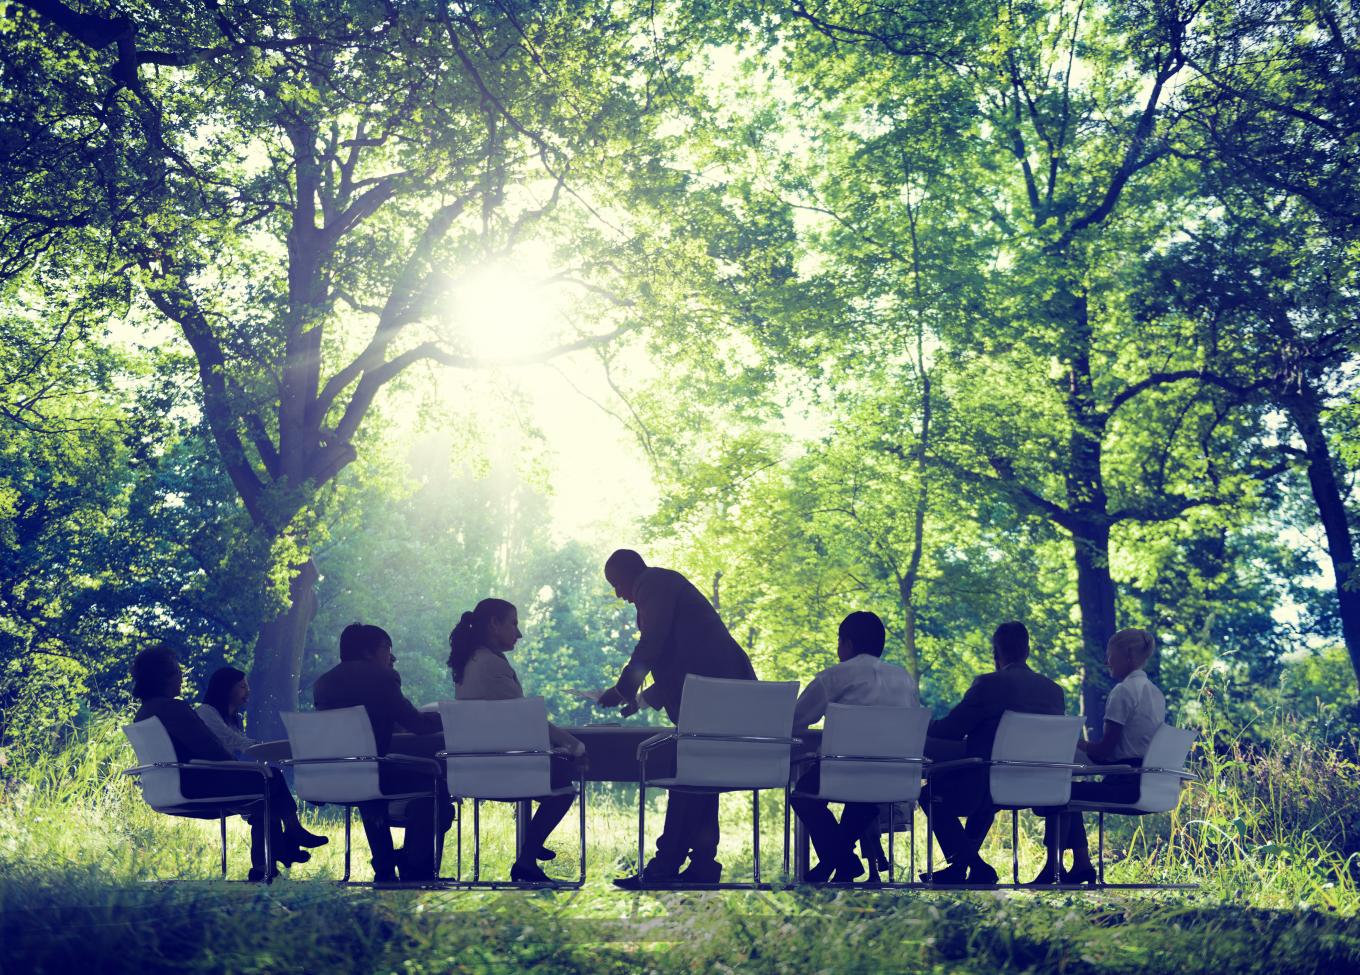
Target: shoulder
<point>483,659</point>
<point>208,713</point>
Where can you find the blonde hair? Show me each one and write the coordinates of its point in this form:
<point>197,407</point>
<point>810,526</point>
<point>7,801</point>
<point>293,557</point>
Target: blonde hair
<point>1138,644</point>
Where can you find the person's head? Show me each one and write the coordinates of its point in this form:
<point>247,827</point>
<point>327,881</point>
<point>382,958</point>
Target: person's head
<point>156,673</point>
<point>492,623</point>
<point>1127,651</point>
<point>364,641</point>
<point>1010,643</point>
<point>227,691</point>
<point>860,633</point>
<point>622,570</point>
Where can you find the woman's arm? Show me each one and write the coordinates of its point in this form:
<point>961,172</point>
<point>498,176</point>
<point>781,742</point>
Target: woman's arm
<point>1104,747</point>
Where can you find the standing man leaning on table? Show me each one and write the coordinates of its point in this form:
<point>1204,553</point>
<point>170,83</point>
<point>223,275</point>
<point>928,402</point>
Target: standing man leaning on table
<point>680,633</point>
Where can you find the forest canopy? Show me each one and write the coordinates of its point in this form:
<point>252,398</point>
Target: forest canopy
<point>324,311</point>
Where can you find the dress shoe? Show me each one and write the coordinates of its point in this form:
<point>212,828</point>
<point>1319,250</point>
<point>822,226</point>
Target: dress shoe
<point>256,874</point>
<point>545,854</point>
<point>291,856</point>
<point>301,837</point>
<point>1079,875</point>
<point>951,875</point>
<point>821,873</point>
<point>528,872</point>
<point>656,874</point>
<point>848,871</point>
<point>702,872</point>
<point>982,874</point>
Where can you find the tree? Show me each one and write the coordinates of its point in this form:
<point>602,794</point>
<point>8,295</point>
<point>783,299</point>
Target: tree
<point>273,176</point>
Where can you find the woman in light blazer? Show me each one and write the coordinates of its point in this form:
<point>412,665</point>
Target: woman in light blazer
<point>477,649</point>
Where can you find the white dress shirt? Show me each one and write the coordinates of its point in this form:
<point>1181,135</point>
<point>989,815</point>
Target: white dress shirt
<point>863,679</point>
<point>232,739</point>
<point>1137,705</point>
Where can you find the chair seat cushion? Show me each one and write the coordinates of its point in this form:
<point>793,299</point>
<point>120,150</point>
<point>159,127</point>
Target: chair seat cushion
<point>1114,807</point>
<point>566,790</point>
<point>678,786</point>
<point>212,808</point>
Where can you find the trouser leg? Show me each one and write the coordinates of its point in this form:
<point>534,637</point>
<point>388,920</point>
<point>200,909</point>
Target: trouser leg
<point>691,830</point>
<point>379,836</point>
<point>821,827</point>
<point>549,813</point>
<point>978,825</point>
<point>855,821</point>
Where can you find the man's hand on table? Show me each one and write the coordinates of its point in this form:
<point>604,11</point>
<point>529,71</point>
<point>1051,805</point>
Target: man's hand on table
<point>613,698</point>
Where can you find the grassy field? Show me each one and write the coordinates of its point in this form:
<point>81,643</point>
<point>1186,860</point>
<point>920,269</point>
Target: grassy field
<point>1269,834</point>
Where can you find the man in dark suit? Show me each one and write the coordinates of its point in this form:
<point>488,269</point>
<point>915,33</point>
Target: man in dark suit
<point>365,676</point>
<point>963,794</point>
<point>680,633</point>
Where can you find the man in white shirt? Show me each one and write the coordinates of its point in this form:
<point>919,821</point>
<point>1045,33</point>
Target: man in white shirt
<point>862,677</point>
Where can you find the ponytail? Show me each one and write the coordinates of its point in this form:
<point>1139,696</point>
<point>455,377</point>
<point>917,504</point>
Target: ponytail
<point>470,633</point>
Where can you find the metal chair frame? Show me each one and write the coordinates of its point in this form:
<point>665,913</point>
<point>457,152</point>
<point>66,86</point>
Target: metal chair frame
<point>410,762</point>
<point>1123,809</point>
<point>232,808</point>
<point>890,803</point>
<point>476,881</point>
<point>656,741</point>
<point>1014,810</point>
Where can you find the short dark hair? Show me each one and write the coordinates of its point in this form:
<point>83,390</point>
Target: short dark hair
<point>360,641</point>
<point>1010,642</point>
<point>153,671</point>
<point>624,564</point>
<point>864,632</point>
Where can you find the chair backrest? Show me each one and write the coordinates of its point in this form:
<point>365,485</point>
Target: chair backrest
<point>881,732</point>
<point>752,708</point>
<point>151,742</point>
<point>1169,749</point>
<point>1033,738</point>
<point>514,725</point>
<point>341,733</point>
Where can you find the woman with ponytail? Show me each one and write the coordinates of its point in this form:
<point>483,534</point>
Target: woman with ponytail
<point>477,649</point>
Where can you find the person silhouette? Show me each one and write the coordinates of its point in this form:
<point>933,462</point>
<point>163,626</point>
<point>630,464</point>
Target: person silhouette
<point>680,633</point>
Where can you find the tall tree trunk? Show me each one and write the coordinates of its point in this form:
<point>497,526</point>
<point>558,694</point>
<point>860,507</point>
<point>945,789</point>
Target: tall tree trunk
<point>277,666</point>
<point>1305,410</point>
<point>1096,601</point>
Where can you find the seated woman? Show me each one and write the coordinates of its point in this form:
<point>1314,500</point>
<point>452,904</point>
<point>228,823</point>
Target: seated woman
<point>156,682</point>
<point>477,648</point>
<point>226,696</point>
<point>1134,711</point>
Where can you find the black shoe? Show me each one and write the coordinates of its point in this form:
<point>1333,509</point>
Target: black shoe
<point>528,872</point>
<point>655,875</point>
<point>1082,875</point>
<point>702,872</point>
<point>982,874</point>
<point>311,841</point>
<point>951,875</point>
<point>848,871</point>
<point>545,854</point>
<point>821,873</point>
<point>288,858</point>
<point>256,875</point>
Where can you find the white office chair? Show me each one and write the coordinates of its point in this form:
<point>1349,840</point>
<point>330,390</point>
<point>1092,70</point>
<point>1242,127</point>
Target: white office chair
<point>335,760</point>
<point>158,774</point>
<point>1031,765</point>
<point>872,754</point>
<point>733,736</point>
<point>499,751</point>
<point>1160,780</point>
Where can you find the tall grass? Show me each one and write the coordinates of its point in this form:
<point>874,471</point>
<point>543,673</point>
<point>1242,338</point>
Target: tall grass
<point>1268,832</point>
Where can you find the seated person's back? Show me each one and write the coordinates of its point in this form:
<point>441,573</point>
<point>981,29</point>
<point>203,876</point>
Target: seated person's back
<point>860,676</point>
<point>364,678</point>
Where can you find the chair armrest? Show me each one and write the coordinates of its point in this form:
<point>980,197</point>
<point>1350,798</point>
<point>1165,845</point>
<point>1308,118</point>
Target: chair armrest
<point>1087,770</point>
<point>415,761</point>
<point>956,763</point>
<point>750,739</point>
<point>888,759</point>
<point>261,768</point>
<point>1018,763</point>
<point>512,753</point>
<point>653,742</point>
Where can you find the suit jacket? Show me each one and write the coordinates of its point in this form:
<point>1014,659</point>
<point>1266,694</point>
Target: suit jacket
<point>680,634</point>
<point>488,676</point>
<point>378,689</point>
<point>975,718</point>
<point>190,736</point>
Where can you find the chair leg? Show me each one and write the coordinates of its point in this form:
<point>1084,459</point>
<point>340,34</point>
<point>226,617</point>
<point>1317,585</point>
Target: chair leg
<point>349,817</point>
<point>642,826</point>
<point>930,840</point>
<point>458,867</point>
<point>892,810</point>
<point>755,833</point>
<point>437,838</point>
<point>911,877</point>
<point>223,821</point>
<point>476,841</point>
<point>581,802</point>
<point>1100,849</point>
<point>268,838</point>
<point>786,832</point>
<point>1015,847</point>
<point>1054,826</point>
